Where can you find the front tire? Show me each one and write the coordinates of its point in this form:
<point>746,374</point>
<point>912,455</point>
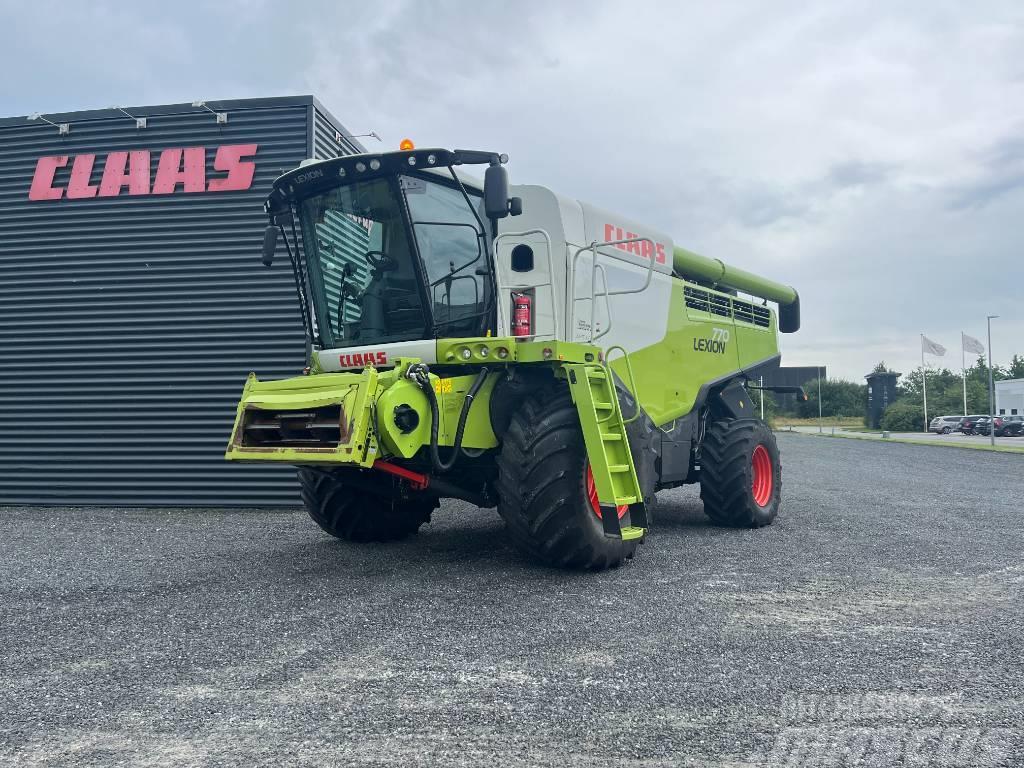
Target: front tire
<point>740,474</point>
<point>543,488</point>
<point>355,514</point>
<point>946,430</point>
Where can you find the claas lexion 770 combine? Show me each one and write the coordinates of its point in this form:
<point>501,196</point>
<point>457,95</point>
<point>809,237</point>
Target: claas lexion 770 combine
<point>513,348</point>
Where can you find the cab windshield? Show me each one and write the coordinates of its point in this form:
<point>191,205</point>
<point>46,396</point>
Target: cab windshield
<point>395,258</point>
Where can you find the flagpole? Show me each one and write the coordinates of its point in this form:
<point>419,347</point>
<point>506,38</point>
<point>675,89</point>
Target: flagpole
<point>963,369</point>
<point>924,385</point>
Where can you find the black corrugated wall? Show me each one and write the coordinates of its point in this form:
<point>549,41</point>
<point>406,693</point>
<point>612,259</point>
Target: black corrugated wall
<point>128,324</point>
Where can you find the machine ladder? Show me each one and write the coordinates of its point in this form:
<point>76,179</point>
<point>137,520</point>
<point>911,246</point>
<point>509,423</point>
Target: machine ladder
<point>611,461</point>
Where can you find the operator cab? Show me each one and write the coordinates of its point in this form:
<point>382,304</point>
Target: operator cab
<point>390,247</point>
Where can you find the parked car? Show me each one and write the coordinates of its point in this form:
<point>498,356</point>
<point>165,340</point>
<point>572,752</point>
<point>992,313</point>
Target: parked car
<point>1005,426</point>
<point>943,425</point>
<point>967,423</point>
<point>1012,426</point>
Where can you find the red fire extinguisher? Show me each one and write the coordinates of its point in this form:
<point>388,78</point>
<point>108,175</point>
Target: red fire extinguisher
<point>522,314</point>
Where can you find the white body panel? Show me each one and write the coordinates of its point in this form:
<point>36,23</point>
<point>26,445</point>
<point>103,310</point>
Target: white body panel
<point>378,355</point>
<point>633,320</point>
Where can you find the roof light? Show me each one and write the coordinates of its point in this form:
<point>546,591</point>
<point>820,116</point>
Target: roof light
<point>412,159</point>
<point>406,145</point>
<point>431,159</point>
<point>360,167</point>
<point>374,165</point>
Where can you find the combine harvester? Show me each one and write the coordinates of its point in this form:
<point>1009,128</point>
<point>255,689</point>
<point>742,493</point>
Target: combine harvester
<point>511,348</point>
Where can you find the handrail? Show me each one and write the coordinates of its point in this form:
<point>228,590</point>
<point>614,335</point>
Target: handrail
<point>607,304</point>
<point>632,380</point>
<point>499,288</point>
<point>593,248</point>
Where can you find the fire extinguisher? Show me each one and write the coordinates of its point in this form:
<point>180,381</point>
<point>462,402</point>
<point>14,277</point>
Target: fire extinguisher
<point>522,314</point>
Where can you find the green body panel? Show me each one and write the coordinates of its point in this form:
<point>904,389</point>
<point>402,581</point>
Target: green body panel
<point>717,272</point>
<point>368,400</point>
<point>483,350</point>
<point>698,348</point>
<point>451,351</point>
<point>354,392</point>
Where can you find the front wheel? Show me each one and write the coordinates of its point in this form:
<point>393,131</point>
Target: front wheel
<point>946,430</point>
<point>546,489</point>
<point>740,473</point>
<point>355,514</point>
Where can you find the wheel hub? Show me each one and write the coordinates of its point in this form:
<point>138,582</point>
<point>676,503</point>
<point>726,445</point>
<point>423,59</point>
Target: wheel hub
<point>595,505</point>
<point>761,476</point>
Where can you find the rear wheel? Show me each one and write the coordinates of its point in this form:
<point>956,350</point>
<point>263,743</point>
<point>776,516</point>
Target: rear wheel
<point>355,514</point>
<point>546,488</point>
<point>946,430</point>
<point>740,473</point>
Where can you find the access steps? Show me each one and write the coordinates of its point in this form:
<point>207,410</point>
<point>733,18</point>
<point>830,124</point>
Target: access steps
<point>604,434</point>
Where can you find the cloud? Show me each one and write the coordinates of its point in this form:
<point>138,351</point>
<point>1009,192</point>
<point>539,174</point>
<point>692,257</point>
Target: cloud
<point>1000,170</point>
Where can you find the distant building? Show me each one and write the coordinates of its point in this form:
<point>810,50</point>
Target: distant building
<point>881,394</point>
<point>1010,397</point>
<point>776,375</point>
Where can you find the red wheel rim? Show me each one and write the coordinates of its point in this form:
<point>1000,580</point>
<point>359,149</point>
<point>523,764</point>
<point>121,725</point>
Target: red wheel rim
<point>592,495</point>
<point>761,478</point>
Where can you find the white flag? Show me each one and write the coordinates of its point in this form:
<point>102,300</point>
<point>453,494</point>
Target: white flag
<point>971,344</point>
<point>929,346</point>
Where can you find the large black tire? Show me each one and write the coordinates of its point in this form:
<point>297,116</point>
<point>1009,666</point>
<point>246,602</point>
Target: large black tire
<point>732,473</point>
<point>542,487</point>
<point>358,515</point>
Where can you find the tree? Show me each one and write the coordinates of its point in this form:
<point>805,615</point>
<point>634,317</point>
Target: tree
<point>903,416</point>
<point>838,398</point>
<point>1016,369</point>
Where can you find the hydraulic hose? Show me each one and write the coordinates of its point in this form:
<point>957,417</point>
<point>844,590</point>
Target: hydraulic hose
<point>419,373</point>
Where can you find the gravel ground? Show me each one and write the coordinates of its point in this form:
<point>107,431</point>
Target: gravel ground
<point>878,622</point>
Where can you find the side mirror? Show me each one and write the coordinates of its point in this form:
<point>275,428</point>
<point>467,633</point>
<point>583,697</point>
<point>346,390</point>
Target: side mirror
<point>269,244</point>
<point>496,191</point>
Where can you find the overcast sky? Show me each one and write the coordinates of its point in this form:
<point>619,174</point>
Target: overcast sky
<point>870,154</point>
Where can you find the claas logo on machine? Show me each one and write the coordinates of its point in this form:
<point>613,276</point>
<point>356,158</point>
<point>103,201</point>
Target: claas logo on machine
<point>359,359</point>
<point>642,249</point>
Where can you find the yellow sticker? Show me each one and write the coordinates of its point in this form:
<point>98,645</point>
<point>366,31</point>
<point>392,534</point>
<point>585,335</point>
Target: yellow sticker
<point>443,386</point>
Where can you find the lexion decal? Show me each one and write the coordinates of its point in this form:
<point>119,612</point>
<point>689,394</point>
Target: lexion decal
<point>178,167</point>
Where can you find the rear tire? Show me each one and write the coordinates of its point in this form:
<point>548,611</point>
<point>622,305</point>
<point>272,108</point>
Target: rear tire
<point>542,487</point>
<point>946,430</point>
<point>740,474</point>
<point>355,514</point>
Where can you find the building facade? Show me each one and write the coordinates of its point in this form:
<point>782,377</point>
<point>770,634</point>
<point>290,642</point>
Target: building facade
<point>133,303</point>
<point>1010,397</point>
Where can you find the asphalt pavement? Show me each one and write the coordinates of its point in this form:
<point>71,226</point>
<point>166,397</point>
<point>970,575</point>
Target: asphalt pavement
<point>953,439</point>
<point>877,622</point>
